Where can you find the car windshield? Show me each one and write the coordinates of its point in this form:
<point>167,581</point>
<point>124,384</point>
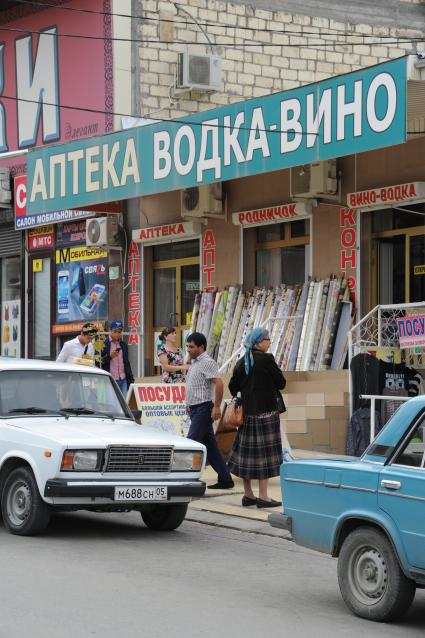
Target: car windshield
<point>43,392</point>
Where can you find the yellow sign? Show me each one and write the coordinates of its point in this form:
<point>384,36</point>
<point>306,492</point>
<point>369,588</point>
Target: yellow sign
<point>419,270</point>
<point>37,265</point>
<point>80,253</point>
<point>41,230</point>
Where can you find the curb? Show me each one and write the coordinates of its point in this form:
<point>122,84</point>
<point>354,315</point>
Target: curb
<point>236,523</point>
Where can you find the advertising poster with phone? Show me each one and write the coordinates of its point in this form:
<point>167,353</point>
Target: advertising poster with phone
<point>11,328</point>
<point>81,284</point>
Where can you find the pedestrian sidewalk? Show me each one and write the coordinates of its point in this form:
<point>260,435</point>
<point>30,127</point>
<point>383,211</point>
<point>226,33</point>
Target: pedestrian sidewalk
<point>224,507</point>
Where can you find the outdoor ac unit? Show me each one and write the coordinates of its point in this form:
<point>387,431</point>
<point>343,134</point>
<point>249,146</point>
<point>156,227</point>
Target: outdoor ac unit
<point>202,201</point>
<point>102,231</point>
<point>314,180</point>
<point>5,192</point>
<point>200,72</point>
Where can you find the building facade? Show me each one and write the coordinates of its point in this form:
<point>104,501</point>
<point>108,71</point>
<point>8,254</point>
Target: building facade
<point>55,88</point>
<point>268,47</point>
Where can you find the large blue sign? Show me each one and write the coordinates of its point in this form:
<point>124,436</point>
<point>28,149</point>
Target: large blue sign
<point>340,116</point>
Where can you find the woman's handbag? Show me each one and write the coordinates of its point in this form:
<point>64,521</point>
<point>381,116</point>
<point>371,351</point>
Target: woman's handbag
<point>281,407</point>
<point>233,414</point>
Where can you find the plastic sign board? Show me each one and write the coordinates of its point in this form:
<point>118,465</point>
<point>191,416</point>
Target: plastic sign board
<point>24,220</point>
<point>339,116</point>
<point>166,233</point>
<point>271,214</point>
<point>387,196</point>
<point>42,237</point>
<point>411,331</point>
<point>162,406</point>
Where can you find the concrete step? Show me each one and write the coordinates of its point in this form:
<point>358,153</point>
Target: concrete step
<point>301,441</point>
<point>340,399</point>
<point>316,386</point>
<point>329,434</point>
<point>301,412</point>
<point>316,376</point>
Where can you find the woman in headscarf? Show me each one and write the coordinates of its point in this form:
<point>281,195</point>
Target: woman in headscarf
<point>257,450</point>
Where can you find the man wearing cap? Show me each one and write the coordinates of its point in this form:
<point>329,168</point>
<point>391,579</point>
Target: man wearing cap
<point>80,350</point>
<point>114,357</point>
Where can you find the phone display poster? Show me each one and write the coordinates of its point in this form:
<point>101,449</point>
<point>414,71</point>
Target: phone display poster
<point>81,284</point>
<point>11,328</point>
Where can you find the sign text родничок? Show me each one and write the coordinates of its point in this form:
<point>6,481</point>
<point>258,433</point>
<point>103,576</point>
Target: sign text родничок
<point>339,116</point>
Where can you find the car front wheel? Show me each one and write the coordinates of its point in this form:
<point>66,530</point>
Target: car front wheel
<point>371,581</point>
<point>164,517</point>
<point>24,511</point>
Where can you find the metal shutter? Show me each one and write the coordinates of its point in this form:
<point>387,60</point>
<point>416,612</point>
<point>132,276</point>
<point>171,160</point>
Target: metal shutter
<point>10,241</point>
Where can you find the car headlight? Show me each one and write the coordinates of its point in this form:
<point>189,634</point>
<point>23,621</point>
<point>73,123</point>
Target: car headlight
<point>185,461</point>
<point>81,460</point>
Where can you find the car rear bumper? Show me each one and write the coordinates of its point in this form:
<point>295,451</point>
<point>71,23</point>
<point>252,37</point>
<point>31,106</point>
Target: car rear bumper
<point>57,489</point>
<point>281,521</point>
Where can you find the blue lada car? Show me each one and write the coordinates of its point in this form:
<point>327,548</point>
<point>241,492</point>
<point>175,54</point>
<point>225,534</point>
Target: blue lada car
<point>369,512</point>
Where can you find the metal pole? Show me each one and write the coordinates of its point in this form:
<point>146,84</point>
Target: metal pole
<point>350,379</point>
<point>379,327</point>
<point>372,419</point>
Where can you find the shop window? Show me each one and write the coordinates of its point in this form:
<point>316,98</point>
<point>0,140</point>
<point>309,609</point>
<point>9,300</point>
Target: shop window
<point>410,216</point>
<point>176,250</point>
<point>282,253</point>
<point>42,309</point>
<point>164,296</point>
<point>398,254</point>
<point>11,307</point>
<point>298,228</point>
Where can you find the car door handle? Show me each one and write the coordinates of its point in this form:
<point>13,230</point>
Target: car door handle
<point>391,485</point>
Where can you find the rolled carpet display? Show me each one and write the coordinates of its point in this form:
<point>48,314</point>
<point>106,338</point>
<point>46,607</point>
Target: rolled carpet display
<point>303,321</point>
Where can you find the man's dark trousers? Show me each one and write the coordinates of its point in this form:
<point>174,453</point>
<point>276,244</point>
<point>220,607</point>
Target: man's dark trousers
<point>201,430</point>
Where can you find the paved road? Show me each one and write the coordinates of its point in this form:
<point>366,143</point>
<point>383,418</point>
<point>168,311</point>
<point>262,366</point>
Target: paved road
<point>107,575</point>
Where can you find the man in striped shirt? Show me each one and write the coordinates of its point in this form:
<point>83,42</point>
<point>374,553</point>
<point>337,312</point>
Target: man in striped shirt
<point>201,377</point>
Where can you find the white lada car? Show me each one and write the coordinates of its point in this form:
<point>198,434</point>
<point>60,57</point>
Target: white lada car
<point>68,441</point>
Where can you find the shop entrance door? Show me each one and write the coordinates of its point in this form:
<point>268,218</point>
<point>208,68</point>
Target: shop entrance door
<point>175,284</point>
<point>39,306</point>
<point>401,267</point>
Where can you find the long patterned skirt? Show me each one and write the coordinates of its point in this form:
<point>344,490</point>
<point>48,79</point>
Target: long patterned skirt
<point>257,450</point>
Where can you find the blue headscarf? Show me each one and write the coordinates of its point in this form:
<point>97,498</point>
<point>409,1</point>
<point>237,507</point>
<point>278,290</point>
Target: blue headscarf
<point>256,336</point>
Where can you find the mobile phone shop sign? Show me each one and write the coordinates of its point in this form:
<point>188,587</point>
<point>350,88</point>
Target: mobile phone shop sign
<point>411,331</point>
<point>340,116</point>
<point>81,284</point>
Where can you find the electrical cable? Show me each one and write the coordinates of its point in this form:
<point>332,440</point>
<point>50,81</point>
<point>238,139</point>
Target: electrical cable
<point>335,32</point>
<point>216,44</point>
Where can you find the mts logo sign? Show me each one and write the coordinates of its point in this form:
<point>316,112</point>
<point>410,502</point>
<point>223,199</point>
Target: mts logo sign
<point>20,190</point>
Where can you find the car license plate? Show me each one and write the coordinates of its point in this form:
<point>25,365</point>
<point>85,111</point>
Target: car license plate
<point>141,493</point>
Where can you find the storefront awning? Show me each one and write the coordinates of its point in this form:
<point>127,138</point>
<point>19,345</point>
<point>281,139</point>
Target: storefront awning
<point>343,115</point>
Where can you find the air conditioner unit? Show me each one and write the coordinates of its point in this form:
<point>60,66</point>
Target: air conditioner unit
<point>202,201</point>
<point>314,180</point>
<point>5,191</point>
<point>102,231</point>
<point>200,72</point>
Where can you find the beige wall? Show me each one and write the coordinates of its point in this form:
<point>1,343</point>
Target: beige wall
<point>250,71</point>
<point>326,240</point>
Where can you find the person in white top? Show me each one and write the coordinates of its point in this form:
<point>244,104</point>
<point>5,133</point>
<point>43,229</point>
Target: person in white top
<point>79,348</point>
